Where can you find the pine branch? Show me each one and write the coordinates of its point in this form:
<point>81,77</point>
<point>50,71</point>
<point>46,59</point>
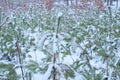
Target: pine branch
<point>2,23</point>
<point>86,54</point>
<point>18,49</point>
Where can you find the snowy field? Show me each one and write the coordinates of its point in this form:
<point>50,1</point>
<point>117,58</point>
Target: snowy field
<point>68,59</point>
<point>80,47</point>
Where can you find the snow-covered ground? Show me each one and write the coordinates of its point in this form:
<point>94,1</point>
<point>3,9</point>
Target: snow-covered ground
<point>38,55</point>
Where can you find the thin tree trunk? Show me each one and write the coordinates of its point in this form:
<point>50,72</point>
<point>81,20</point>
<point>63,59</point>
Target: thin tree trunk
<point>0,16</point>
<point>109,2</point>
<point>117,4</point>
<point>76,2</point>
<point>71,2</point>
<point>67,2</point>
<point>19,59</point>
<point>56,54</point>
<point>54,69</point>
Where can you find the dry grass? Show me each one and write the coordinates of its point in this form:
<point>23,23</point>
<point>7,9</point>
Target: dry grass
<point>49,4</point>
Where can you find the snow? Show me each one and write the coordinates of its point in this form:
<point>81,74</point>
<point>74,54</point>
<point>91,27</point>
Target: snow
<point>71,12</point>
<point>78,77</point>
<point>114,5</point>
<point>118,52</point>
<point>73,43</point>
<point>18,71</point>
<point>59,14</point>
<point>48,72</point>
<point>60,3</point>
<point>35,56</point>
<point>37,76</point>
<point>97,64</point>
<point>5,62</point>
<point>68,60</point>
<point>42,40</point>
<point>76,49</point>
<point>55,44</point>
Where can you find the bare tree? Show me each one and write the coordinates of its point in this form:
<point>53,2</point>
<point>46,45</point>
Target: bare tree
<point>109,2</point>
